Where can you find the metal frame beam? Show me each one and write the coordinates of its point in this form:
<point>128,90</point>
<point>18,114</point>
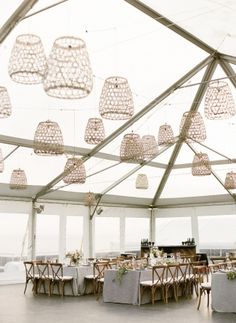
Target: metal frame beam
<point>214,174</point>
<point>195,105</point>
<point>229,71</point>
<point>19,13</point>
<point>228,58</point>
<point>130,122</point>
<point>171,25</point>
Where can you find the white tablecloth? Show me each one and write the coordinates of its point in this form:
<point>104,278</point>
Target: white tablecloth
<point>223,293</point>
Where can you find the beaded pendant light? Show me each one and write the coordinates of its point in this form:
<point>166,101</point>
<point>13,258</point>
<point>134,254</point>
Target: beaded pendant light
<point>27,62</point>
<point>150,148</point>
<point>116,100</point>
<point>5,104</point>
<point>69,75</point>
<point>131,149</point>
<point>1,161</point>
<point>219,102</point>
<point>76,169</point>
<point>195,124</point>
<point>94,132</point>
<point>230,181</point>
<point>89,199</point>
<point>48,139</point>
<point>201,166</point>
<point>18,179</point>
<point>141,182</point>
<point>165,135</point>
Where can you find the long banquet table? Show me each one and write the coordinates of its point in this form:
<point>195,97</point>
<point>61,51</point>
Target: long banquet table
<point>223,293</point>
<point>78,273</point>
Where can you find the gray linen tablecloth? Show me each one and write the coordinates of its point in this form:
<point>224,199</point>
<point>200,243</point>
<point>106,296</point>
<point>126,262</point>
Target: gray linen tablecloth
<point>223,293</point>
<point>126,291</point>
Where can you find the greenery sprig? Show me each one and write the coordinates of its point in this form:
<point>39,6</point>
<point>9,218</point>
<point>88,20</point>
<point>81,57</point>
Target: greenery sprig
<point>231,275</point>
<point>120,273</point>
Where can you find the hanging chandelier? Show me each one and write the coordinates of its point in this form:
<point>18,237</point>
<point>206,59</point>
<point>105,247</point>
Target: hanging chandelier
<point>18,179</point>
<point>195,125</point>
<point>131,150</point>
<point>89,199</point>
<point>5,104</point>
<point>219,102</point>
<point>27,62</point>
<point>165,135</point>
<point>201,165</point>
<point>76,171</point>
<point>48,139</point>
<point>150,148</point>
<point>1,161</point>
<point>94,132</point>
<point>230,181</point>
<point>141,182</point>
<point>69,74</point>
<point>116,100</point>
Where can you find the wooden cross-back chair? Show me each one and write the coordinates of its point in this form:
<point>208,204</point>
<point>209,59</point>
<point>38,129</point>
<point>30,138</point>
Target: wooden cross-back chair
<point>157,282</point>
<point>59,279</point>
<point>44,279</point>
<point>30,275</point>
<point>171,280</point>
<point>100,267</point>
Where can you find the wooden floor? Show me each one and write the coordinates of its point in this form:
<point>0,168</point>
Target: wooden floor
<point>15,307</point>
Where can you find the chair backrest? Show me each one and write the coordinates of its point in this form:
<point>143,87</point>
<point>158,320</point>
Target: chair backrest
<point>29,269</point>
<point>42,269</point>
<point>216,267</point>
<point>172,273</point>
<point>158,274</point>
<point>183,270</point>
<point>57,270</point>
<point>100,268</point>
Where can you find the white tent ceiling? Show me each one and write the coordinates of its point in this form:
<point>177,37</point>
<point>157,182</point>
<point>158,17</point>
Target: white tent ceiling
<point>125,41</point>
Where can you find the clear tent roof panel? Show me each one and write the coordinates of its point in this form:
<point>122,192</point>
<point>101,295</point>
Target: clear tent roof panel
<point>211,21</point>
<point>121,40</point>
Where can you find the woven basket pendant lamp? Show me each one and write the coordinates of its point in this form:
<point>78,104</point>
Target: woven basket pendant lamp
<point>219,102</point>
<point>116,100</point>
<point>200,165</point>
<point>165,135</point>
<point>94,132</point>
<point>131,150</point>
<point>5,104</point>
<point>89,199</point>
<point>76,169</point>
<point>27,62</point>
<point>150,148</point>
<point>195,124</point>
<point>48,139</point>
<point>141,182</point>
<point>18,179</point>
<point>1,161</point>
<point>230,181</point>
<point>69,74</point>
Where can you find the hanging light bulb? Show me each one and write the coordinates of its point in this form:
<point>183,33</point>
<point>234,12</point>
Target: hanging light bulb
<point>131,150</point>
<point>116,100</point>
<point>201,165</point>
<point>165,135</point>
<point>195,124</point>
<point>5,104</point>
<point>94,132</point>
<point>48,139</point>
<point>69,74</point>
<point>27,62</point>
<point>18,179</point>
<point>141,182</point>
<point>76,171</point>
<point>219,102</point>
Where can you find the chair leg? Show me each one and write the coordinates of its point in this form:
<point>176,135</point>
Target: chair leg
<point>200,296</point>
<point>26,283</point>
<point>72,287</point>
<point>208,294</point>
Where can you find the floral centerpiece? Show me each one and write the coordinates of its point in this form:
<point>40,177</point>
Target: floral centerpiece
<point>74,257</point>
